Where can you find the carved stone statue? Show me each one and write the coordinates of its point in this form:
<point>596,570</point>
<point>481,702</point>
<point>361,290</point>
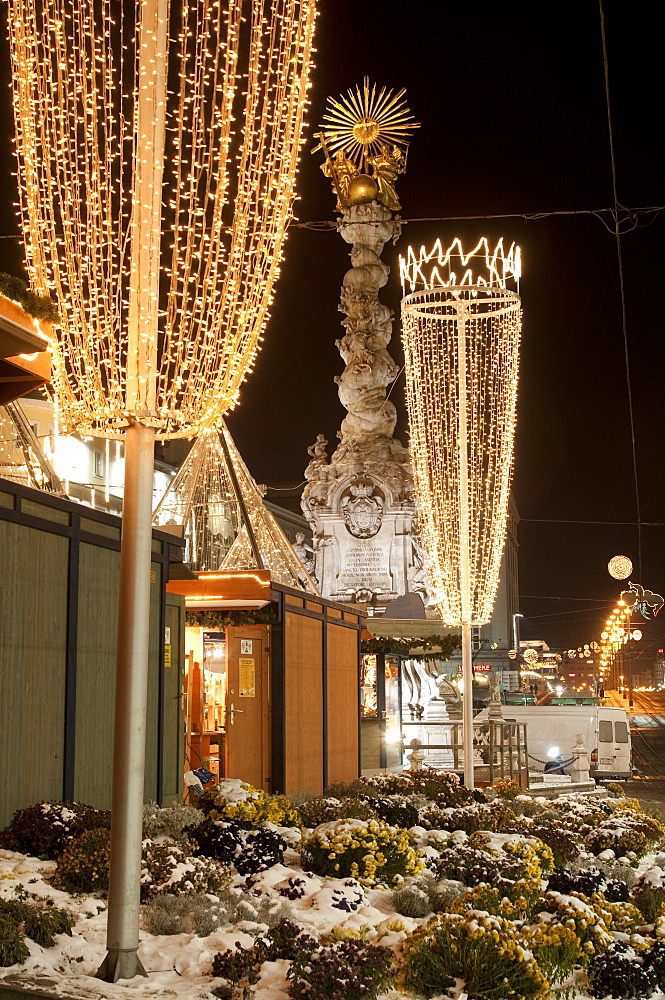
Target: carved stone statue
<point>318,449</point>
<point>304,552</point>
<point>495,710</point>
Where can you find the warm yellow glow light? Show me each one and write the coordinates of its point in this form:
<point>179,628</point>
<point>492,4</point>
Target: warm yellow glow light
<point>484,266</point>
<point>461,345</point>
<point>360,123</point>
<point>238,78</point>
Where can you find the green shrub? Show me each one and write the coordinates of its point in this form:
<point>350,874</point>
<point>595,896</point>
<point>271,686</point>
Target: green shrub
<point>513,901</point>
<point>170,822</point>
<point>561,844</point>
<point>170,868</point>
<point>556,948</point>
<point>202,915</point>
<point>483,951</point>
<point>648,893</point>
<point>13,949</point>
<point>45,829</point>
<point>344,970</point>
<point>182,915</point>
<point>247,806</point>
<point>582,917</point>
<point>369,850</point>
<point>320,810</point>
<point>83,866</point>
<point>36,920</point>
<point>411,900</point>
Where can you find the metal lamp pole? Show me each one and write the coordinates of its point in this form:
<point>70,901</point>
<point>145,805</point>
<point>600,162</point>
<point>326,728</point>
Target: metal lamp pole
<point>122,961</point>
<point>465,573</point>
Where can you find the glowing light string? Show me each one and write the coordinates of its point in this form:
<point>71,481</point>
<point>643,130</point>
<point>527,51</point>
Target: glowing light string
<point>461,345</point>
<point>427,269</point>
<point>237,94</point>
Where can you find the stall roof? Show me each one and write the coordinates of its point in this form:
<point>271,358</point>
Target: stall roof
<point>225,589</point>
<point>25,362</point>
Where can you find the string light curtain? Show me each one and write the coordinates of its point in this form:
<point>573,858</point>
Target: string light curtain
<point>461,337</point>
<point>237,87</point>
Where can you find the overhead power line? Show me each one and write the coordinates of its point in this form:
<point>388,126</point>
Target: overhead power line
<point>623,216</point>
<point>563,520</point>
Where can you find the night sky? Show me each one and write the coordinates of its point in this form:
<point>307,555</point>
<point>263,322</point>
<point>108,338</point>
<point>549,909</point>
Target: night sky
<point>511,100</point>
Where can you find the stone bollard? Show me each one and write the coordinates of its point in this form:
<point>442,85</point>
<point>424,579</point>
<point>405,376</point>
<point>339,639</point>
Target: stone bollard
<point>579,769</point>
<point>417,756</point>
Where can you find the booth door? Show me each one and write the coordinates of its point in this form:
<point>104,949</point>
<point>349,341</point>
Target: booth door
<point>247,706</point>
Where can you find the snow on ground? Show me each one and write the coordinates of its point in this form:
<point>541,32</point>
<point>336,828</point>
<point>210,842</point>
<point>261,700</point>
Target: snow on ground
<point>179,966</point>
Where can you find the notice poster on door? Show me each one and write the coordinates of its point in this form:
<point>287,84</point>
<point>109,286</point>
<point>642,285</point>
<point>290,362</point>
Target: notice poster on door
<point>246,677</point>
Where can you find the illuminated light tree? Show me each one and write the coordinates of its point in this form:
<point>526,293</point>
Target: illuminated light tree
<point>227,525</point>
<point>461,330</point>
<point>157,149</point>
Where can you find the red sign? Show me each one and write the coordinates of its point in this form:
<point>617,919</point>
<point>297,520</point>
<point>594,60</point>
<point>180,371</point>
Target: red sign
<point>482,667</point>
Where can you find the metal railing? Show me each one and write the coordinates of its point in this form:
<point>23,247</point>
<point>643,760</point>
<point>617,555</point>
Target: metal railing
<point>499,749</point>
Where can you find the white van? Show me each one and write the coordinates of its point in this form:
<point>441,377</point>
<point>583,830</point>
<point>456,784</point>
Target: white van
<point>552,730</point>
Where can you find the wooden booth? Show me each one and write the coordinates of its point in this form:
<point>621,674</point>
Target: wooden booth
<point>276,702</point>
<point>58,631</point>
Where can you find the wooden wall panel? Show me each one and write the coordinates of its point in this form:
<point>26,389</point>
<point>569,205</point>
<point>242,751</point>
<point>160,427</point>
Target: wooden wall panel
<point>33,635</point>
<point>150,791</point>
<point>343,708</point>
<point>95,685</point>
<point>303,717</point>
<point>174,733</point>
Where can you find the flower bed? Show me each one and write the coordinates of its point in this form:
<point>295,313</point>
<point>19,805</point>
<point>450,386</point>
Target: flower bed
<point>239,904</point>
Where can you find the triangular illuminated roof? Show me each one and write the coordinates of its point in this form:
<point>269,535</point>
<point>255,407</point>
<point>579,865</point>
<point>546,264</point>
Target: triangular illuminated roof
<point>227,525</point>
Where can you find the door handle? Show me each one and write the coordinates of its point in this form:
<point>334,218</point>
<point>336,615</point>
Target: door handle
<point>241,711</point>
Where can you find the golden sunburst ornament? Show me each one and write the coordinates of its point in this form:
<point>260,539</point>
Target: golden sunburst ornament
<point>363,120</point>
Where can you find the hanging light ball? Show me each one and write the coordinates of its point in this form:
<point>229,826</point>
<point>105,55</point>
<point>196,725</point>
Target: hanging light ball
<point>620,567</point>
<point>531,656</point>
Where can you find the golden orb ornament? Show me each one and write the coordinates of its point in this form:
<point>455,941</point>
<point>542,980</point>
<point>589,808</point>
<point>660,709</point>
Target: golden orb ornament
<point>362,190</point>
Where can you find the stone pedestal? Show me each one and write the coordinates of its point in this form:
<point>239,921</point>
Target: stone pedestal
<point>364,547</point>
<point>437,731</point>
<point>579,769</point>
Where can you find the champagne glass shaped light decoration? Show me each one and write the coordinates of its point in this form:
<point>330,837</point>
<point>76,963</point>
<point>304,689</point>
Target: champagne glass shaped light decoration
<point>461,328</point>
<point>157,147</point>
